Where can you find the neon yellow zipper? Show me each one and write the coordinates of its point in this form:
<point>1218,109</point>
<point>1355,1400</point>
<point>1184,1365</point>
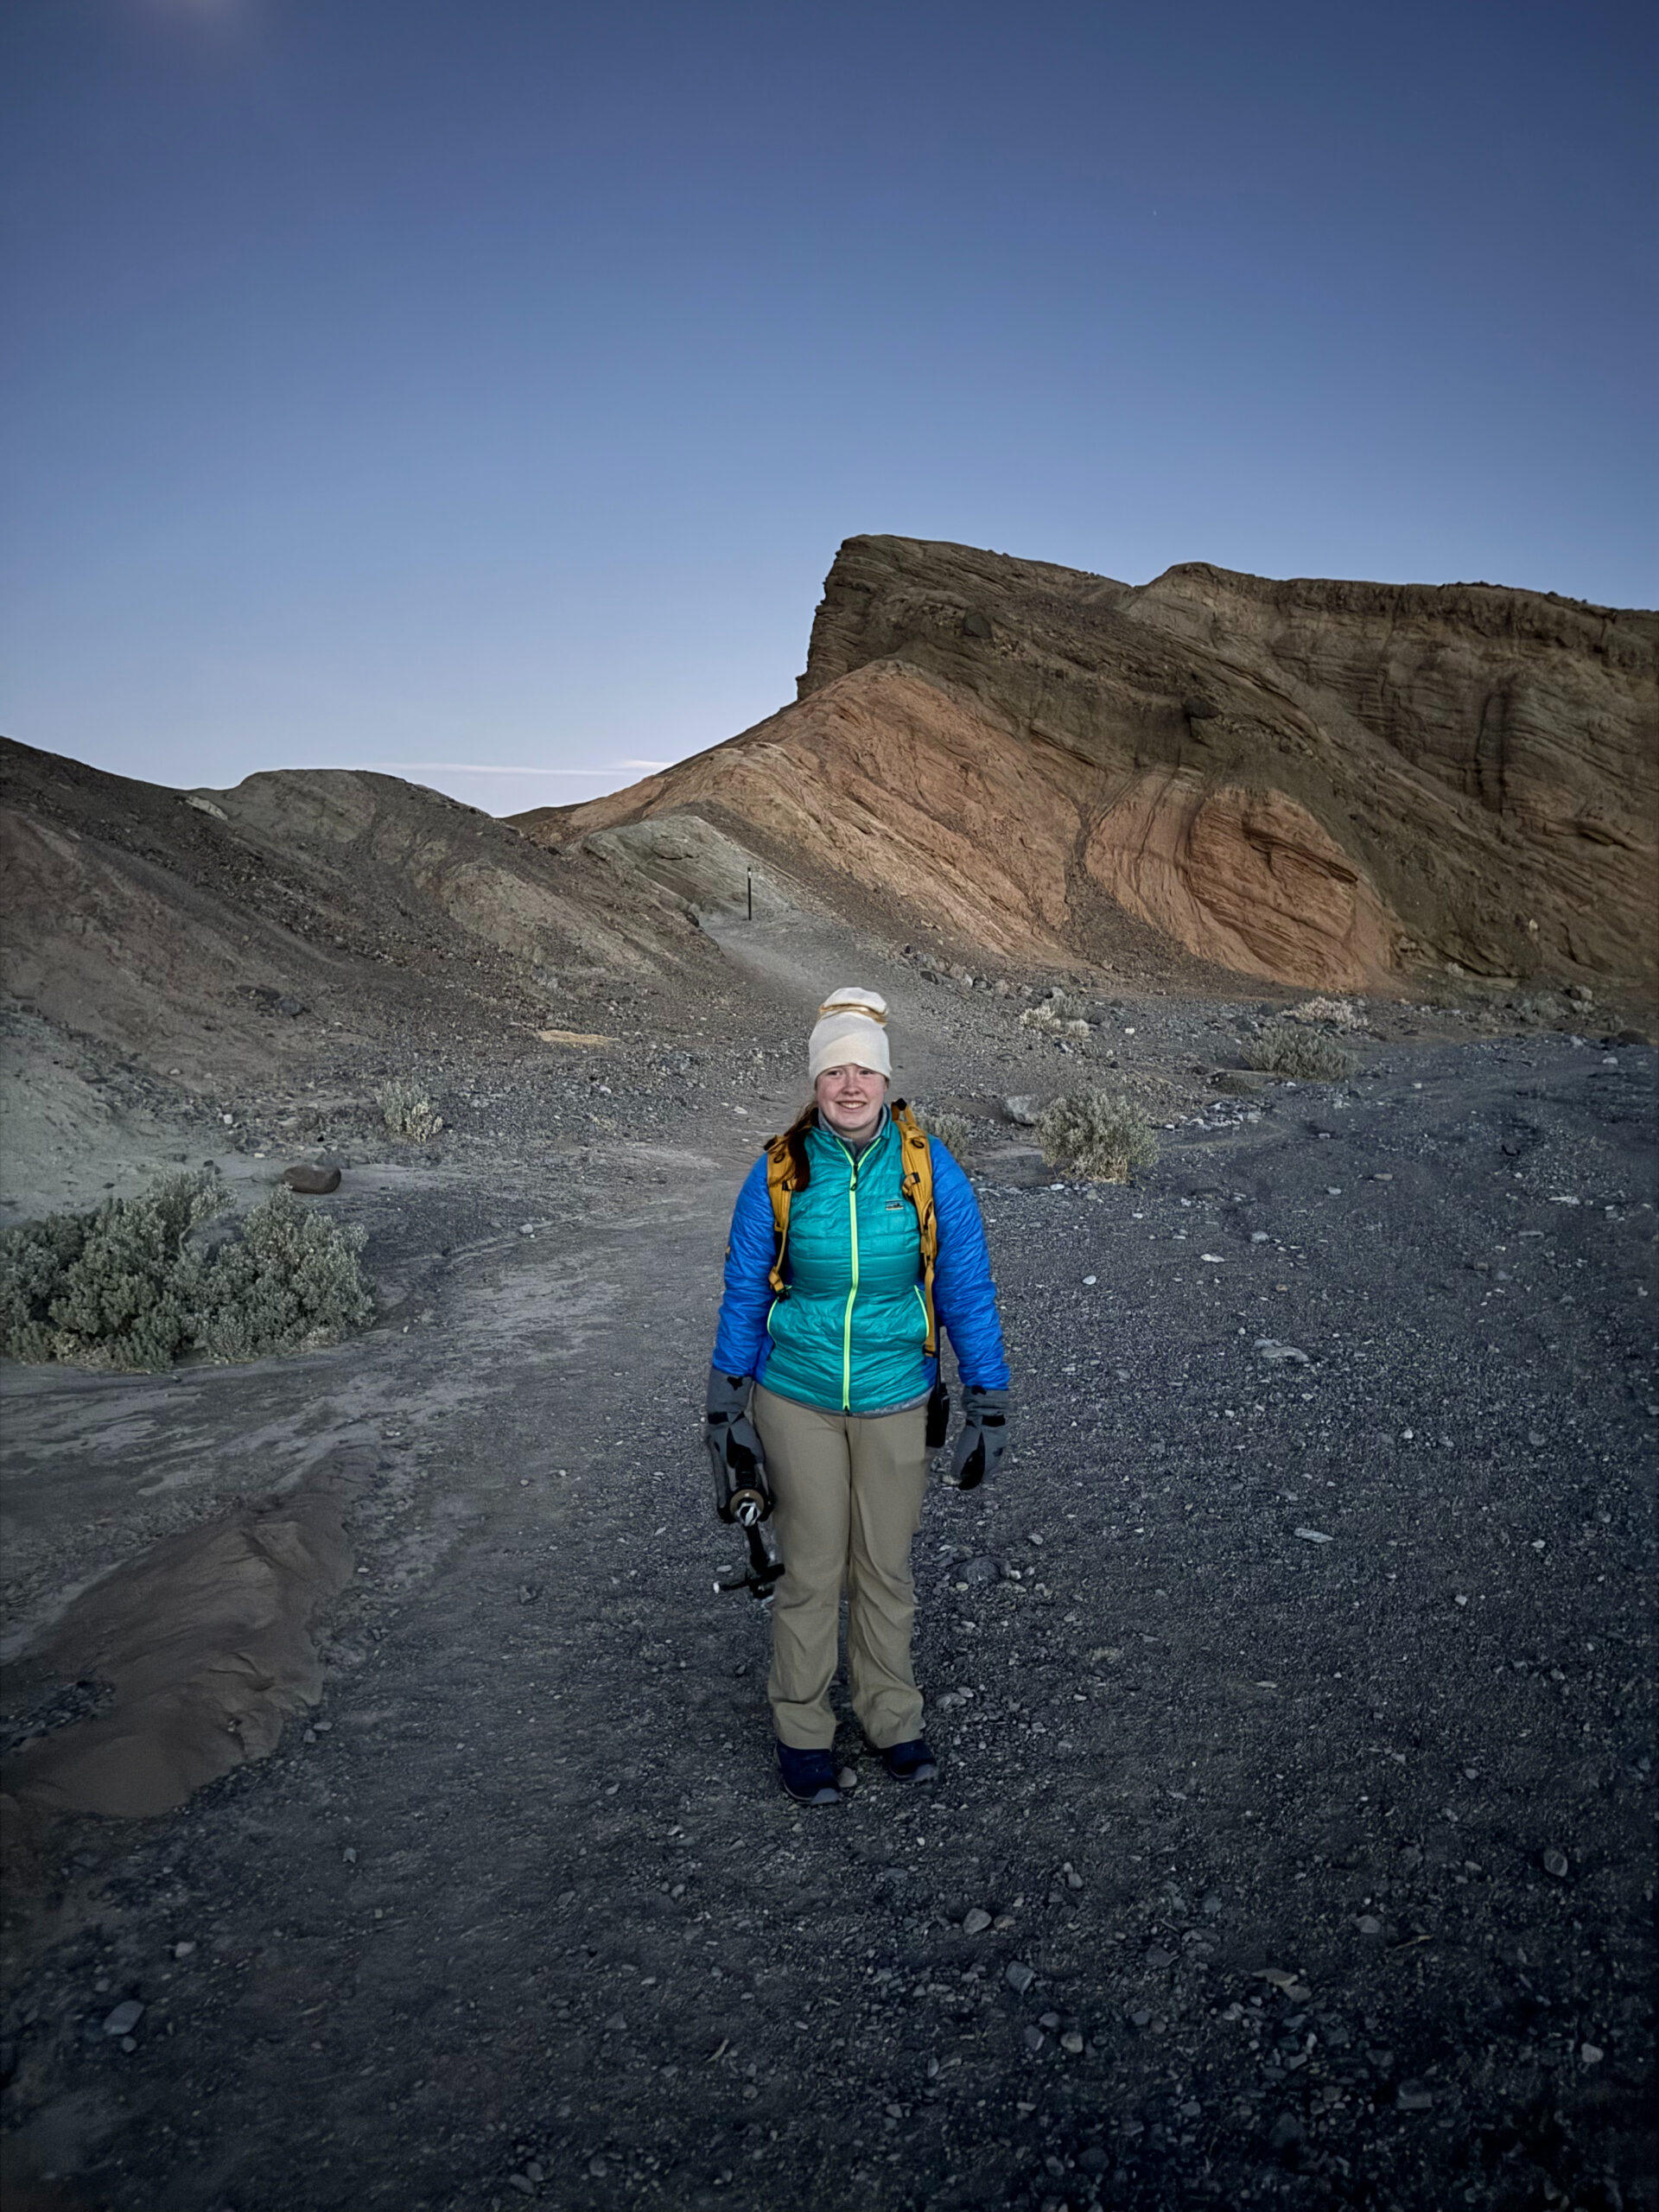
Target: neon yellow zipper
<point>846,1324</point>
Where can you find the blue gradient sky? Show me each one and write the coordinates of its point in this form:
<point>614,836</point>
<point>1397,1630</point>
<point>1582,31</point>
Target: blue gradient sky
<point>489,382</point>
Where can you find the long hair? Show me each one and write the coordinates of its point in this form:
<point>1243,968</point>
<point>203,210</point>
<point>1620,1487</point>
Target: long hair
<point>794,1141</point>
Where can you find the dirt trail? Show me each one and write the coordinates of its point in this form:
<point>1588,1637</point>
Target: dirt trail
<point>1264,1822</point>
<point>796,957</point>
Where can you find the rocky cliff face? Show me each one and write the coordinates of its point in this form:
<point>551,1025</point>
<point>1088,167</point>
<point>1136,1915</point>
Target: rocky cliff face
<point>1321,782</point>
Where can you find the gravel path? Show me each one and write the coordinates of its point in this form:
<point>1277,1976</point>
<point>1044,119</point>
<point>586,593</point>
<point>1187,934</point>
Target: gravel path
<point>1293,1841</point>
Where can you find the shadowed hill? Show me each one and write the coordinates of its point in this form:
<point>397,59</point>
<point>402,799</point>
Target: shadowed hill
<point>1325,784</point>
<point>219,930</point>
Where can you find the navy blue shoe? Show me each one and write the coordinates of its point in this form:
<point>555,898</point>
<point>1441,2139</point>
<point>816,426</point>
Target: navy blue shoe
<point>912,1762</point>
<point>809,1776</point>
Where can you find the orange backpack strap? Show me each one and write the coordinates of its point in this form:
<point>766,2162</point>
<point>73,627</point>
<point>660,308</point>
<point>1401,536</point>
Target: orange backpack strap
<point>780,1184</point>
<point>917,1159</point>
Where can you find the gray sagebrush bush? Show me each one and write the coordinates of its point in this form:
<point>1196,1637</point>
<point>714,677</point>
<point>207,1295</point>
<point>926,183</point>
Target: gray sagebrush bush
<point>1347,1015</point>
<point>1059,1014</point>
<point>32,1260</point>
<point>954,1131</point>
<point>114,1287</point>
<point>407,1110</point>
<point>1309,1055</point>
<point>1098,1134</point>
<point>123,1287</point>
<point>291,1282</point>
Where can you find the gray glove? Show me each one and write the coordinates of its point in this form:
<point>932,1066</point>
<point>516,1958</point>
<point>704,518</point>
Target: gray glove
<point>741,1490</point>
<point>984,1437</point>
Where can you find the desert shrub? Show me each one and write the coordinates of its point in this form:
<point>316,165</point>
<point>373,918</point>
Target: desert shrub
<point>33,1261</point>
<point>1099,1133</point>
<point>114,1285</point>
<point>954,1131</point>
<point>1058,1015</point>
<point>1346,1015</point>
<point>408,1110</point>
<point>123,1285</point>
<point>289,1283</point>
<point>1309,1055</point>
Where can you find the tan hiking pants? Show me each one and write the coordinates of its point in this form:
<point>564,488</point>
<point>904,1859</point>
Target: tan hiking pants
<point>849,1500</point>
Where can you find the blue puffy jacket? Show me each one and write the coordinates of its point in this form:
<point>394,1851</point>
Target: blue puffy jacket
<point>849,1331</point>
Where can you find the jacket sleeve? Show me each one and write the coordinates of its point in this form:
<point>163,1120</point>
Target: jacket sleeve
<point>964,1297</point>
<point>740,1341</point>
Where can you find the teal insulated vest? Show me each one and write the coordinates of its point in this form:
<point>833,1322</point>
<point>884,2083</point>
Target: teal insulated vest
<point>849,1331</point>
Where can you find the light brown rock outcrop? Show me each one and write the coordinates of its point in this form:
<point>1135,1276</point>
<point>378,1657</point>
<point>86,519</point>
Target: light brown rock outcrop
<point>895,784</point>
<point>1324,782</point>
<point>1247,879</point>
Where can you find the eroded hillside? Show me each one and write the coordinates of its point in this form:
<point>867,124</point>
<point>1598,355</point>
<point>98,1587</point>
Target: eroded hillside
<point>222,930</point>
<point>1325,784</point>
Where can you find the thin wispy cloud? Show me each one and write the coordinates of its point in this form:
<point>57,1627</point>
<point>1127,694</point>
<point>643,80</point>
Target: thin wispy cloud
<point>490,768</point>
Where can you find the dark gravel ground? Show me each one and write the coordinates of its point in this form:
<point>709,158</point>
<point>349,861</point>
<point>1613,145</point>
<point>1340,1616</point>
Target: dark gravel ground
<point>1305,1777</point>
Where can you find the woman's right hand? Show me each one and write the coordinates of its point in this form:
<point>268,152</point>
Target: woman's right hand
<point>741,1490</point>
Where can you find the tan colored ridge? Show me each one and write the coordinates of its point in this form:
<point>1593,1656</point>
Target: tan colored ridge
<point>1320,783</point>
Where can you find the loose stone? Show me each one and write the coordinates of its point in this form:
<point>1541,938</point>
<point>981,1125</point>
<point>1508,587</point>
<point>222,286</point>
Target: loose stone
<point>312,1182</point>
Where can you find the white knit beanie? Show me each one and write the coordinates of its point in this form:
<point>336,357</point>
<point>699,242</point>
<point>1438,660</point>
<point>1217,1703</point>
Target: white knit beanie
<point>851,1030</point>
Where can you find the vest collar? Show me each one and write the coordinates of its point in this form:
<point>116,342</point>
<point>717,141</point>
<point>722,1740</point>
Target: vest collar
<point>825,1136</point>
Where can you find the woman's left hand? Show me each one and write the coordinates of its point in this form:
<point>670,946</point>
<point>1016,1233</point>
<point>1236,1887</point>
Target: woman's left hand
<point>983,1439</point>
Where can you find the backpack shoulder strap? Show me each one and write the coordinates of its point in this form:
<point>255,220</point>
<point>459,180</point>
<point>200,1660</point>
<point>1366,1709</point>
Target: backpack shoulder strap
<point>916,1159</point>
<point>780,1185</point>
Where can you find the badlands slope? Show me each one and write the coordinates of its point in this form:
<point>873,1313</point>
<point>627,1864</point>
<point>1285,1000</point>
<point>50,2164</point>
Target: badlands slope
<point>1323,784</point>
<point>224,929</point>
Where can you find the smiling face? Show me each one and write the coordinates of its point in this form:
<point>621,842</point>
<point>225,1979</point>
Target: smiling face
<point>850,1100</point>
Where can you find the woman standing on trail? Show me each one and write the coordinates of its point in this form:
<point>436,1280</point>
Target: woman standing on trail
<point>851,1234</point>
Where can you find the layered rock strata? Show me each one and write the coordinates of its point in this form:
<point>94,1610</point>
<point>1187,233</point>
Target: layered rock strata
<point>1324,784</point>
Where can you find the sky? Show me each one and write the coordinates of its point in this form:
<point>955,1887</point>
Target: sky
<point>478,389</point>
